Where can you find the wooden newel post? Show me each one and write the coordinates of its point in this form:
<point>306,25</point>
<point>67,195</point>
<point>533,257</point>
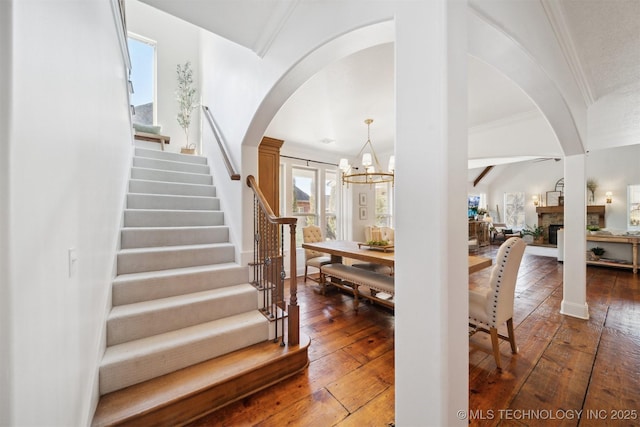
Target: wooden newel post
<point>293,309</point>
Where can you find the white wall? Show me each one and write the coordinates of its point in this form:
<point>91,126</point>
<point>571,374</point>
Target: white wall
<point>218,58</point>
<point>5,132</point>
<point>613,169</point>
<point>242,80</point>
<point>526,133</point>
<point>530,177</point>
<point>70,151</point>
<point>177,43</point>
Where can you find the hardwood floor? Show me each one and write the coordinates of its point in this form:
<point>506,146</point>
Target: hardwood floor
<point>564,364</point>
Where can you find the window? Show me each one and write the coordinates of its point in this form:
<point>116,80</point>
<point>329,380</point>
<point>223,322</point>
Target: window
<point>304,200</point>
<point>633,207</point>
<point>281,181</point>
<point>384,204</point>
<point>514,210</point>
<point>473,203</point>
<point>143,66</point>
<point>330,205</point>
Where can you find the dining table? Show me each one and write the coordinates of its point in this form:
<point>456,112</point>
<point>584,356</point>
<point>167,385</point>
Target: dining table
<point>339,249</point>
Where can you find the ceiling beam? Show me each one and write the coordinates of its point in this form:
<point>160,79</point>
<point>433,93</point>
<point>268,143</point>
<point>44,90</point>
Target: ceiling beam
<point>482,174</point>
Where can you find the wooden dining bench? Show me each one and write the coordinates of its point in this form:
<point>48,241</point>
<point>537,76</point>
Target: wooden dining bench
<point>352,278</point>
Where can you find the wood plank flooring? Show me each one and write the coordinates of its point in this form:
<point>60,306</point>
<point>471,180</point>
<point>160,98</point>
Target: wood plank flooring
<point>564,364</point>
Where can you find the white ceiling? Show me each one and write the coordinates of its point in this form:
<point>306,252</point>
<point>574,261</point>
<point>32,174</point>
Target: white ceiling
<point>606,37</point>
<point>333,104</point>
<point>601,40</point>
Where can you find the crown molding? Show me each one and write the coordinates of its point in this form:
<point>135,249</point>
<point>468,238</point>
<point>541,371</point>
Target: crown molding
<point>553,10</point>
<point>281,13</point>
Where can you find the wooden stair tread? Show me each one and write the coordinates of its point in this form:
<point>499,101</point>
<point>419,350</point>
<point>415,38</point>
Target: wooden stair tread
<point>215,383</point>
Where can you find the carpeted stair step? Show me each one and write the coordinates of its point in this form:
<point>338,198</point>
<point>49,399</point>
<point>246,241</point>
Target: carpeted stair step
<point>162,187</point>
<point>179,397</point>
<point>146,237</point>
<point>137,287</point>
<point>172,202</point>
<point>168,155</point>
<point>163,258</point>
<point>144,319</point>
<point>137,361</point>
<point>169,165</point>
<point>170,176</point>
<point>173,218</point>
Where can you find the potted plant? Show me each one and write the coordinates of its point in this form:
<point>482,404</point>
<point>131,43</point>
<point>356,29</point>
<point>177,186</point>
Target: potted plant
<point>187,102</point>
<point>535,231</point>
<point>592,229</point>
<point>597,253</point>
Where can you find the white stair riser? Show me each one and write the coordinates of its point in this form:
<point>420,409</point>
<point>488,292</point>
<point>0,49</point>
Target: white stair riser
<point>150,237</point>
<point>169,176</point>
<point>170,202</point>
<point>168,165</point>
<point>135,262</point>
<point>130,325</point>
<point>167,155</point>
<point>150,218</point>
<point>161,187</point>
<point>183,349</point>
<point>129,290</point>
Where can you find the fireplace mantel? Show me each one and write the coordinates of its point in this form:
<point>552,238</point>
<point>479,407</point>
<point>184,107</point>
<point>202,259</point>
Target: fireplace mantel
<point>591,210</point>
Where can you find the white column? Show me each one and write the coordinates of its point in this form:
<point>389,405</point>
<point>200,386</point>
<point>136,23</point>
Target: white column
<point>6,41</point>
<point>431,223</point>
<point>574,302</point>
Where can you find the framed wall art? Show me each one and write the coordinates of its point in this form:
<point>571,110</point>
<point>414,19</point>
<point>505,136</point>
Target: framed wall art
<point>363,213</point>
<point>553,198</point>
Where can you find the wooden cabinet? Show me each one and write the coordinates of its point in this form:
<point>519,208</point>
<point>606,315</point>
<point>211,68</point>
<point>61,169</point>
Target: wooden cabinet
<point>269,171</point>
<point>631,263</point>
<point>479,230</point>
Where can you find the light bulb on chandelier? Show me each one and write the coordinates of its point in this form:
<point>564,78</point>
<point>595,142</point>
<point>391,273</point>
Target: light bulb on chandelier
<point>370,172</point>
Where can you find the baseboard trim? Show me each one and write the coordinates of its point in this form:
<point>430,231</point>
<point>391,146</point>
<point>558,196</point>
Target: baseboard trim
<point>581,311</point>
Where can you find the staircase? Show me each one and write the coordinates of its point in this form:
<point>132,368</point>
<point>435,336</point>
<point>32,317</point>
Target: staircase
<point>183,308</point>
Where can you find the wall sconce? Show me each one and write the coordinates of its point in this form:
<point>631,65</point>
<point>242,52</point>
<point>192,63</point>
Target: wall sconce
<point>609,195</point>
<point>535,200</point>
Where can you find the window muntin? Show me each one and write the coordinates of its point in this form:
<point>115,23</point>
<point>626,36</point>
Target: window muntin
<point>304,204</point>
<point>330,205</point>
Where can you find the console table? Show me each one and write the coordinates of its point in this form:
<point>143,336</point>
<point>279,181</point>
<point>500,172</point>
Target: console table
<point>628,240</point>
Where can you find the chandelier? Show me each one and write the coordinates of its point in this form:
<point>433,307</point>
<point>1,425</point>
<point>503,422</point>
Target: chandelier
<point>369,172</point>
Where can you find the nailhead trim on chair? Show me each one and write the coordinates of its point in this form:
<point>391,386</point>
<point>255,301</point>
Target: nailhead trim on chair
<point>503,262</point>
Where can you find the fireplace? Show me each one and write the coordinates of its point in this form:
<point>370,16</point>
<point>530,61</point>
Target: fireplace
<point>553,233</point>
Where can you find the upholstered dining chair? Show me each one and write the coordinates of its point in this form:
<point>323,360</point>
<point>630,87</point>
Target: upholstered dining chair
<point>313,234</point>
<point>490,308</point>
<point>372,232</point>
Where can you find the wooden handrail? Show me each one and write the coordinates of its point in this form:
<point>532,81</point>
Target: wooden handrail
<point>223,148</point>
<point>268,244</point>
<point>264,204</point>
